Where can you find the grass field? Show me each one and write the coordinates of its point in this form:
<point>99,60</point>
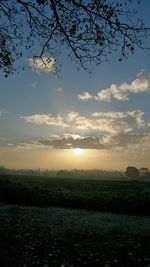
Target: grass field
<point>116,196</point>
<point>46,229</point>
<point>62,237</point>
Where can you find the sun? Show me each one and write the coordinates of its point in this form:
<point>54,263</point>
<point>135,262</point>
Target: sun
<point>78,151</point>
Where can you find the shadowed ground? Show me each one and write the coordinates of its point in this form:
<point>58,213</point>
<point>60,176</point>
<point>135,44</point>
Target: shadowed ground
<point>67,237</point>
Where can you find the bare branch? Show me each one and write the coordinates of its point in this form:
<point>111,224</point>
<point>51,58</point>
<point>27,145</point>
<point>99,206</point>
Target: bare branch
<point>91,30</point>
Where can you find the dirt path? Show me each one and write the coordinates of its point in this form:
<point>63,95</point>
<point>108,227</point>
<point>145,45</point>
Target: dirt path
<point>58,237</point>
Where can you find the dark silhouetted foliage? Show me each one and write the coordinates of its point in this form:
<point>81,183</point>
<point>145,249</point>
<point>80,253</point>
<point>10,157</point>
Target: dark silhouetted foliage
<point>91,30</point>
<point>117,196</point>
<point>132,172</point>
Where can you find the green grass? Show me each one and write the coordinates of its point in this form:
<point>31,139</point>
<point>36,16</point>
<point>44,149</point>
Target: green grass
<point>103,195</point>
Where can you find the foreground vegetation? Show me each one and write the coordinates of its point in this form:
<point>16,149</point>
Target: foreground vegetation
<point>62,237</point>
<point>117,196</point>
<point>54,236</point>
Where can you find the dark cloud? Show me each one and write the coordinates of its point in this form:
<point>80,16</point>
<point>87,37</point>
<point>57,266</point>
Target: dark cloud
<point>103,142</point>
<point>70,142</point>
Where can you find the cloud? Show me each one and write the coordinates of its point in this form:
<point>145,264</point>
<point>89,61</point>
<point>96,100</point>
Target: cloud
<point>70,143</point>
<point>80,122</point>
<point>85,96</point>
<point>112,92</point>
<point>104,95</point>
<point>71,116</point>
<point>42,64</point>
<point>137,115</point>
<point>46,119</point>
<point>33,145</point>
<point>26,146</point>
<point>74,136</point>
<point>121,92</point>
<point>137,144</point>
<point>100,125</point>
<point>59,89</point>
<point>112,114</point>
<point>103,122</point>
<point>131,116</point>
<point>112,122</point>
<point>126,142</point>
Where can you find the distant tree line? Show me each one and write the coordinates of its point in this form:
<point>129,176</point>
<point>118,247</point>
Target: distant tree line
<point>73,173</point>
<point>133,172</point>
<point>28,172</point>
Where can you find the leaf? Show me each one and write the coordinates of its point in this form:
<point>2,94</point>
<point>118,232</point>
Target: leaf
<point>73,29</point>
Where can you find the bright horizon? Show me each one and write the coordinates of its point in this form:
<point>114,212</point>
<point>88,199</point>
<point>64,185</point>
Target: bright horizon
<point>68,159</point>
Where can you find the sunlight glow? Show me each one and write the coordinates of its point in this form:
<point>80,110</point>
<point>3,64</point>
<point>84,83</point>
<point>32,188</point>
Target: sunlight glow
<point>78,151</point>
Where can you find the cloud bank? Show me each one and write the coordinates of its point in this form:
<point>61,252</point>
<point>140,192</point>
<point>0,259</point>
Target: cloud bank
<point>126,132</point>
<point>127,143</point>
<point>121,92</point>
<point>45,119</point>
<point>101,122</point>
<point>70,143</point>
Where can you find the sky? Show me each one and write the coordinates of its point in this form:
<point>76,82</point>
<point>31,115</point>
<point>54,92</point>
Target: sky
<point>77,120</point>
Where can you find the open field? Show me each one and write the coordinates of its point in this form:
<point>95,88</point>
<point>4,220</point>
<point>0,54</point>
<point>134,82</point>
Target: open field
<point>42,231</point>
<point>116,196</point>
<point>62,237</point>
